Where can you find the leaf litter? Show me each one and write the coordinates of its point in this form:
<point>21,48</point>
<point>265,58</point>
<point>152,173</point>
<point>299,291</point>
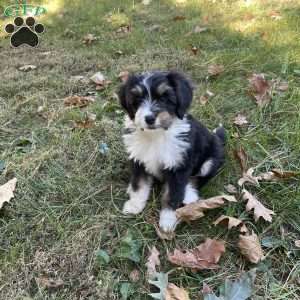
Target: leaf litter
<point>7,191</point>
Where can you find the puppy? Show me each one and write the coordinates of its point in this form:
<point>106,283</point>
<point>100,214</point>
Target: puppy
<point>165,143</point>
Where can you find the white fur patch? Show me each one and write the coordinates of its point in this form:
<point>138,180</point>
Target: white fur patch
<point>206,167</point>
<point>191,194</point>
<point>168,220</point>
<point>158,149</point>
<point>138,198</point>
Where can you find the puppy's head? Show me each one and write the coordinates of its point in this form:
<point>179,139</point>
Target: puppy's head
<point>155,100</point>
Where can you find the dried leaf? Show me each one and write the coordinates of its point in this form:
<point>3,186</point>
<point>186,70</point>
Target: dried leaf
<point>7,191</point>
<point>259,209</point>
<point>240,120</point>
<point>27,68</point>
<point>194,49</point>
<point>152,262</point>
<point>284,174</point>
<point>179,18</point>
<point>242,158</point>
<point>297,243</point>
<point>206,289</point>
<point>260,89</point>
<point>228,221</point>
<point>89,39</point>
<point>250,247</point>
<point>173,292</point>
<point>49,283</point>
<point>124,29</point>
<point>134,275</point>
<point>194,211</point>
<point>88,122</point>
<point>78,101</point>
<point>199,29</point>
<point>123,76</point>
<point>282,86</point>
<point>249,177</point>
<point>203,99</point>
<point>204,256</point>
<point>231,189</point>
<point>98,78</point>
<point>214,70</point>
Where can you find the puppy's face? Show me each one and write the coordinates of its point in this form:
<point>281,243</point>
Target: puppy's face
<point>155,100</point>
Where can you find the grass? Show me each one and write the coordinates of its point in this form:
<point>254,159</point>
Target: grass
<point>69,195</point>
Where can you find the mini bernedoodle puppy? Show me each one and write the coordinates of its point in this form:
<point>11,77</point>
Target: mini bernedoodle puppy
<point>165,143</point>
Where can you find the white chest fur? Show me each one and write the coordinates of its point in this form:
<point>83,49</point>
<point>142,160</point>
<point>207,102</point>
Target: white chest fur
<point>157,149</point>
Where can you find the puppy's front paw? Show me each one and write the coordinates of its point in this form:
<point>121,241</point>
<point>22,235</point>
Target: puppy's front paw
<point>168,220</point>
<point>133,207</point>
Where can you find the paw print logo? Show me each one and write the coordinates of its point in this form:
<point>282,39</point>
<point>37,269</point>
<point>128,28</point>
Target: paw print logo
<point>24,33</point>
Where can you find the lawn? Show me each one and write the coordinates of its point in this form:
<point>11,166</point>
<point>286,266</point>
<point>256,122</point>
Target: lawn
<point>65,222</point>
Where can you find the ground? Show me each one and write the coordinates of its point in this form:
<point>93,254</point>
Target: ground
<point>69,195</point>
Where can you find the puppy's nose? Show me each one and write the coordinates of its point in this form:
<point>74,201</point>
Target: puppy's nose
<point>150,119</point>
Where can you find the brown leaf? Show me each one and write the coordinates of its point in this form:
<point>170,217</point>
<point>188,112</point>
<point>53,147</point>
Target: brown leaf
<point>7,191</point>
<point>173,292</point>
<point>260,89</point>
<point>203,99</point>
<point>249,177</point>
<point>89,39</point>
<point>49,283</point>
<point>194,49</point>
<point>134,275</point>
<point>204,256</point>
<point>240,120</point>
<point>88,122</point>
<point>259,209</point>
<point>282,86</point>
<point>194,211</point>
<point>284,174</point>
<point>228,221</point>
<point>78,101</point>
<point>206,289</point>
<point>242,158</point>
<point>124,29</point>
<point>250,247</point>
<point>152,262</point>
<point>123,76</point>
<point>98,78</point>
<point>179,18</point>
<point>231,189</point>
<point>214,70</point>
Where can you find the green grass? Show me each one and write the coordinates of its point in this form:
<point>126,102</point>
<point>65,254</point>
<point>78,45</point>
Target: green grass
<point>69,195</point>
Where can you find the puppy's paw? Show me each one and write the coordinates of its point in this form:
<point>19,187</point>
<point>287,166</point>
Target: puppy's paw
<point>133,207</point>
<point>168,220</point>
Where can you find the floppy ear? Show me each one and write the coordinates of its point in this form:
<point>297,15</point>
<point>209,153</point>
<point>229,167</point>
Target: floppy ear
<point>124,96</point>
<point>183,90</point>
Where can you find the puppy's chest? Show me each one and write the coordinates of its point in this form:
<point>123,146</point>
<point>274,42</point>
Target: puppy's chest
<point>158,151</point>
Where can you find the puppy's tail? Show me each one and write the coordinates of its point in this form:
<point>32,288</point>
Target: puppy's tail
<point>220,133</point>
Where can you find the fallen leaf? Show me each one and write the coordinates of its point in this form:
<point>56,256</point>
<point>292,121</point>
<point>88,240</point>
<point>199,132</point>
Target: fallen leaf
<point>161,283</point>
<point>249,177</point>
<point>231,189</point>
<point>259,209</point>
<point>173,292</point>
<point>242,158</point>
<point>100,81</point>
<point>240,120</point>
<point>282,86</point>
<point>297,243</point>
<point>228,221</point>
<point>203,99</point>
<point>7,191</point>
<point>152,262</point>
<point>204,256</point>
<point>284,174</point>
<point>179,18</point>
<point>88,122</point>
<point>194,49</point>
<point>124,29</point>
<point>214,70</point>
<point>27,68</point>
<point>206,289</point>
<point>199,29</point>
<point>194,211</point>
<point>89,39</point>
<point>123,76</point>
<point>78,101</point>
<point>275,15</point>
<point>49,283</point>
<point>135,275</point>
<point>250,247</point>
<point>260,89</point>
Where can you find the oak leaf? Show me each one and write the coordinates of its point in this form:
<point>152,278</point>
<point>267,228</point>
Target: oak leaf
<point>204,256</point>
<point>78,101</point>
<point>249,177</point>
<point>260,89</point>
<point>250,247</point>
<point>241,155</point>
<point>7,191</point>
<point>194,211</point>
<point>228,221</point>
<point>152,262</point>
<point>259,209</point>
<point>231,189</point>
<point>173,292</point>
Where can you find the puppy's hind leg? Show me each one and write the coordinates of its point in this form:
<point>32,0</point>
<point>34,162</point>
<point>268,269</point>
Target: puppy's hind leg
<point>138,190</point>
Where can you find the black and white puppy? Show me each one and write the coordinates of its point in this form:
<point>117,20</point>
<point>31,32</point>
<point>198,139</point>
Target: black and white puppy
<point>166,143</point>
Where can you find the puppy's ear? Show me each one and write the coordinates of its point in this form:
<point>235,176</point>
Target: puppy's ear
<point>183,90</point>
<point>124,99</point>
